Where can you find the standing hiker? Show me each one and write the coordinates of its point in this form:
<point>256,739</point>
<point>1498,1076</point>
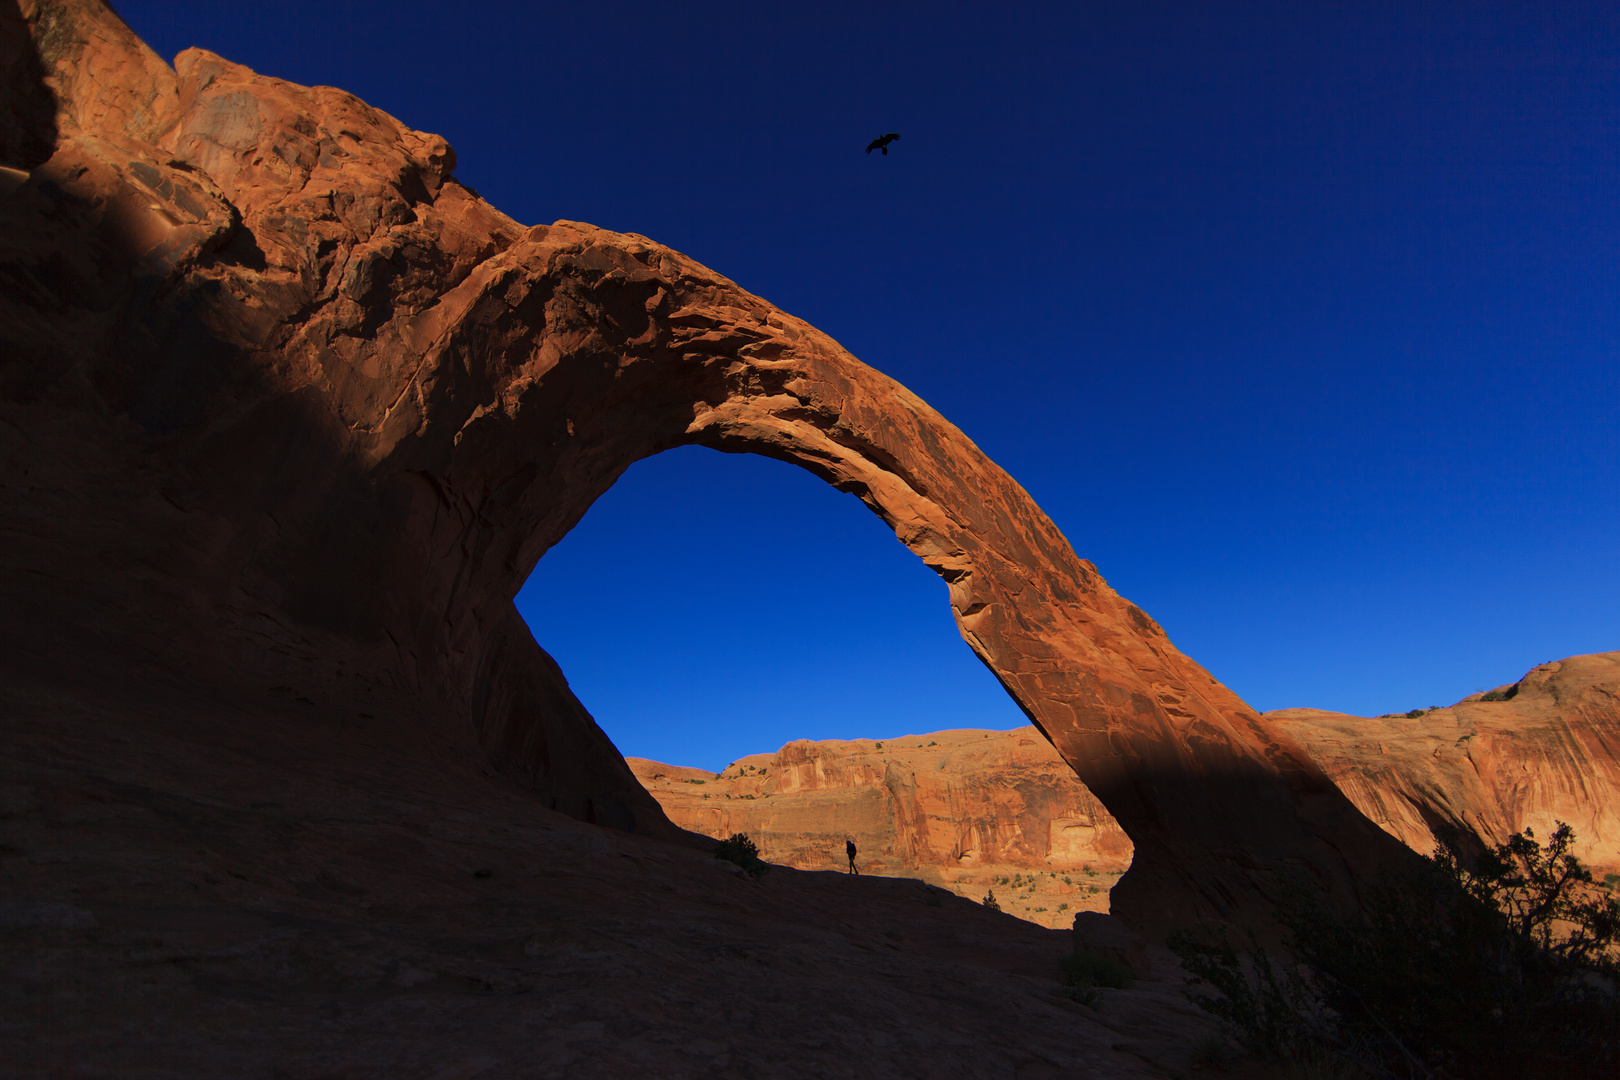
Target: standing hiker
<point>849,849</point>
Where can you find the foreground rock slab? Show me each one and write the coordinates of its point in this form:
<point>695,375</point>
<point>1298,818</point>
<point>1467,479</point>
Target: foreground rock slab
<point>305,906</point>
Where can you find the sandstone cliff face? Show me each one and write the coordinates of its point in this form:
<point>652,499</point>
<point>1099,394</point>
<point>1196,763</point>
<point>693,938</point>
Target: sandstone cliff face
<point>969,810</point>
<point>285,402</point>
<point>1549,753</point>
<point>979,810</point>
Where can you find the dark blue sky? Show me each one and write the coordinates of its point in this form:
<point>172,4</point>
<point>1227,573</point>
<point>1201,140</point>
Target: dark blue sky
<point>1301,320</point>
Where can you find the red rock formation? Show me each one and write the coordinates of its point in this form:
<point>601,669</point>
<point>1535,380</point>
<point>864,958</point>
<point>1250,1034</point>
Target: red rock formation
<point>289,400</point>
<point>974,810</point>
<point>968,810</point>
<point>1549,753</point>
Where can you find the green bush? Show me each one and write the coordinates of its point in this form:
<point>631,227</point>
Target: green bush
<point>744,852</point>
<point>1503,968</point>
<point>990,901</point>
<point>1085,969</point>
<point>1501,695</point>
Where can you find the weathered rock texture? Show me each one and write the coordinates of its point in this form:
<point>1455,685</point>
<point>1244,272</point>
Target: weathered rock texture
<point>969,810</point>
<point>1549,753</point>
<point>978,810</point>
<point>284,400</point>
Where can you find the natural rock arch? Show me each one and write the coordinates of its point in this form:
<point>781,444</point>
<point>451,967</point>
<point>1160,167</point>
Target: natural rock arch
<point>384,401</point>
<point>1197,779</point>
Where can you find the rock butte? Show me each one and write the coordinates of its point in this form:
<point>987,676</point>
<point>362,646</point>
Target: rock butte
<point>969,810</point>
<point>284,388</point>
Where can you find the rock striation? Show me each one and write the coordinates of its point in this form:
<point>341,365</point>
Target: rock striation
<point>284,402</point>
<point>969,810</point>
<point>1546,749</point>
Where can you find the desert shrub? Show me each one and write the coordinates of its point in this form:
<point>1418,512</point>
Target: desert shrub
<point>1502,967</point>
<point>1082,968</point>
<point>1501,695</point>
<point>744,852</point>
<point>990,901</point>
<point>1272,1011</point>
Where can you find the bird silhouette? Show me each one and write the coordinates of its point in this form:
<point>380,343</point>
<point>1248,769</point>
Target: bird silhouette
<point>882,143</point>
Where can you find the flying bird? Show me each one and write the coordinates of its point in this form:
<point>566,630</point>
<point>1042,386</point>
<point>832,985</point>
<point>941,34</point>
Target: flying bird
<point>882,143</point>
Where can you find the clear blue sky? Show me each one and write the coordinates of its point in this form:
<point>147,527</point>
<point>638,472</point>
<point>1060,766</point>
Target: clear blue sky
<point>1301,320</point>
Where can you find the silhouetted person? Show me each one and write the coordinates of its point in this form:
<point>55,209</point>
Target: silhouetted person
<point>882,143</point>
<point>849,849</point>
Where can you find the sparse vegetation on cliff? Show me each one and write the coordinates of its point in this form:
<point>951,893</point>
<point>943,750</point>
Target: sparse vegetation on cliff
<point>1506,965</point>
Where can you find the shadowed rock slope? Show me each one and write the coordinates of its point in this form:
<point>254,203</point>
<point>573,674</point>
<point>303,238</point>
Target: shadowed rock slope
<point>295,896</point>
<point>283,399</point>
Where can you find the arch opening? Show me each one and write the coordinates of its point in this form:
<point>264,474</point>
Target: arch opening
<point>770,661</point>
<point>710,606</point>
<point>625,349</point>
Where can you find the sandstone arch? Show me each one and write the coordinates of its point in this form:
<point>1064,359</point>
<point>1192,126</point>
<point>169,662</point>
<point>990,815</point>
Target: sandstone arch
<point>363,404</point>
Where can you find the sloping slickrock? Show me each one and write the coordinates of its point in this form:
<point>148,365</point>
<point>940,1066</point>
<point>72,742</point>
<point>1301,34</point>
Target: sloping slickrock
<point>286,901</point>
<point>283,398</point>
<point>969,810</point>
<point>1549,753</point>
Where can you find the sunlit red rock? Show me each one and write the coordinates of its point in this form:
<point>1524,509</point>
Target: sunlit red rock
<point>970,810</point>
<point>1548,753</point>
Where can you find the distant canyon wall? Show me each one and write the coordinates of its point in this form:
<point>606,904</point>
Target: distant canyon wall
<point>950,798</point>
<point>1550,752</point>
<point>967,809</point>
<point>970,808</point>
